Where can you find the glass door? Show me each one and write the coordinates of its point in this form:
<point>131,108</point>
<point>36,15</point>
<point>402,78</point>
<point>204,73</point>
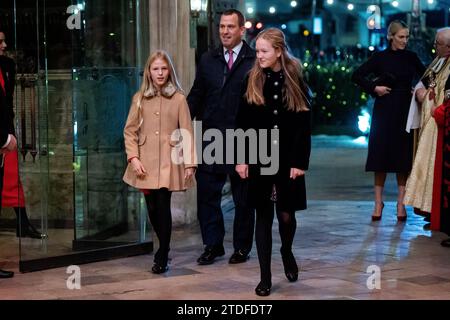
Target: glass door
<point>78,65</point>
<point>106,211</point>
<point>23,27</point>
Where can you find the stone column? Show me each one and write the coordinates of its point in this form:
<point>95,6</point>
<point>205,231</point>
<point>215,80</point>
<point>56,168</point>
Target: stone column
<point>169,30</point>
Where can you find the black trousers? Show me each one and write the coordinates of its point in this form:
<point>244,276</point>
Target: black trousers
<point>210,215</point>
<point>158,206</point>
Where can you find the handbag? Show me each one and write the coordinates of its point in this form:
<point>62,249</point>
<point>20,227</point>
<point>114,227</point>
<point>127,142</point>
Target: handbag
<point>386,79</point>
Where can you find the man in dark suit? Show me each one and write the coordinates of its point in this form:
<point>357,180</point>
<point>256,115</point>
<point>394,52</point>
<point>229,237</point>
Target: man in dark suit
<point>214,100</point>
<point>8,143</point>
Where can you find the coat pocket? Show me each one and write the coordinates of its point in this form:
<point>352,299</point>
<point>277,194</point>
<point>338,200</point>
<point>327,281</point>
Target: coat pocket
<point>142,139</point>
<point>176,144</point>
<point>176,139</point>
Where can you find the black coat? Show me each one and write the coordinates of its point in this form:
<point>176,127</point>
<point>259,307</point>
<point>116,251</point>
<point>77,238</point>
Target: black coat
<point>215,95</point>
<point>294,145</point>
<point>4,119</point>
<point>8,67</point>
<point>390,146</point>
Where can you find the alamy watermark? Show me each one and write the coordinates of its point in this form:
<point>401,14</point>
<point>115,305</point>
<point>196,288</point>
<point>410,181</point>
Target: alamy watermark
<point>374,280</point>
<point>74,20</point>
<point>74,280</point>
<point>374,20</point>
<point>231,146</point>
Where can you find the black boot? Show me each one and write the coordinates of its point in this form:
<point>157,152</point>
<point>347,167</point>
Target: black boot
<point>24,228</point>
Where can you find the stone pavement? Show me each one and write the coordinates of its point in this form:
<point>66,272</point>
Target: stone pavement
<point>336,246</point>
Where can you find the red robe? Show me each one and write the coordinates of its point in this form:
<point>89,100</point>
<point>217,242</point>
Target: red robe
<point>12,195</point>
<point>439,117</point>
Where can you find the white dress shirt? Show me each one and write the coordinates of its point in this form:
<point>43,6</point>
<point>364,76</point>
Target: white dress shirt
<point>236,51</point>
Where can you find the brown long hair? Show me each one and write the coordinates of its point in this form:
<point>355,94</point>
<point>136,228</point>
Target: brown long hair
<point>293,94</point>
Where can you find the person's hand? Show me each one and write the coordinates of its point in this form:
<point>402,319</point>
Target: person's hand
<point>189,173</point>
<point>420,94</point>
<point>242,170</point>
<point>295,173</point>
<point>138,168</point>
<point>433,109</point>
<point>382,90</point>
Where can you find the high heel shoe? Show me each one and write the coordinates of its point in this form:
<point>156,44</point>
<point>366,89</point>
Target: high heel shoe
<point>290,265</point>
<point>401,217</point>
<point>27,230</point>
<point>263,289</point>
<point>378,217</point>
<point>24,228</point>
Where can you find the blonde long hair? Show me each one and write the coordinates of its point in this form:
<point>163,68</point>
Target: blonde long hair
<point>148,89</point>
<point>293,94</point>
<point>394,27</point>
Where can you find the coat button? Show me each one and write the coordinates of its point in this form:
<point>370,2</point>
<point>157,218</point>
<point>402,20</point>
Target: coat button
<point>275,97</point>
<point>275,142</point>
<point>275,112</point>
<point>157,113</point>
<point>276,83</point>
<point>275,127</point>
<point>157,132</point>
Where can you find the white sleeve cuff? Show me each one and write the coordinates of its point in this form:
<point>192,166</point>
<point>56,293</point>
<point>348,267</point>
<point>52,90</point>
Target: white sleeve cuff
<point>7,141</point>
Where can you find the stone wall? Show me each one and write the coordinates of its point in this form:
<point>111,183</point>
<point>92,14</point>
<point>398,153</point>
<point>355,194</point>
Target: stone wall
<point>169,30</point>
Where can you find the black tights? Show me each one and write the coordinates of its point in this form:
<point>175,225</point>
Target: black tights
<point>263,234</point>
<point>158,206</point>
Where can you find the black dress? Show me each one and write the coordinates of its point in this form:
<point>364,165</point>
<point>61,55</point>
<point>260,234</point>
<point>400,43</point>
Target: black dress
<point>390,146</point>
<point>294,143</point>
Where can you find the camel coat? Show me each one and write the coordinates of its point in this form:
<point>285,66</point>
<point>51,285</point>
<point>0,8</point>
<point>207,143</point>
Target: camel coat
<point>160,134</point>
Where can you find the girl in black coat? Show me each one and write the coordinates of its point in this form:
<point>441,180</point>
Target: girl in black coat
<point>276,102</point>
<point>390,146</point>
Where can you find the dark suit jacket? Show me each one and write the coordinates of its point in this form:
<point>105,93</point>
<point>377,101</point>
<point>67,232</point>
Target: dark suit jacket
<point>215,96</point>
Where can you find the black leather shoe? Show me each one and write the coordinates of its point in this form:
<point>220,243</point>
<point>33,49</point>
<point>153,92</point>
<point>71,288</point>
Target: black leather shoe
<point>446,243</point>
<point>292,276</point>
<point>158,269</point>
<point>263,290</point>
<point>239,256</point>
<point>290,266</point>
<point>210,254</point>
<point>427,226</point>
<point>6,274</point>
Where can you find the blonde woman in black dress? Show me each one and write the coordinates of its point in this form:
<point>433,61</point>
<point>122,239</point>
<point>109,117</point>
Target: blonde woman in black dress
<point>388,76</point>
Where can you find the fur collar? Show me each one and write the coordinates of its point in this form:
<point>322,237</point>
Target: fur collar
<point>167,91</point>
